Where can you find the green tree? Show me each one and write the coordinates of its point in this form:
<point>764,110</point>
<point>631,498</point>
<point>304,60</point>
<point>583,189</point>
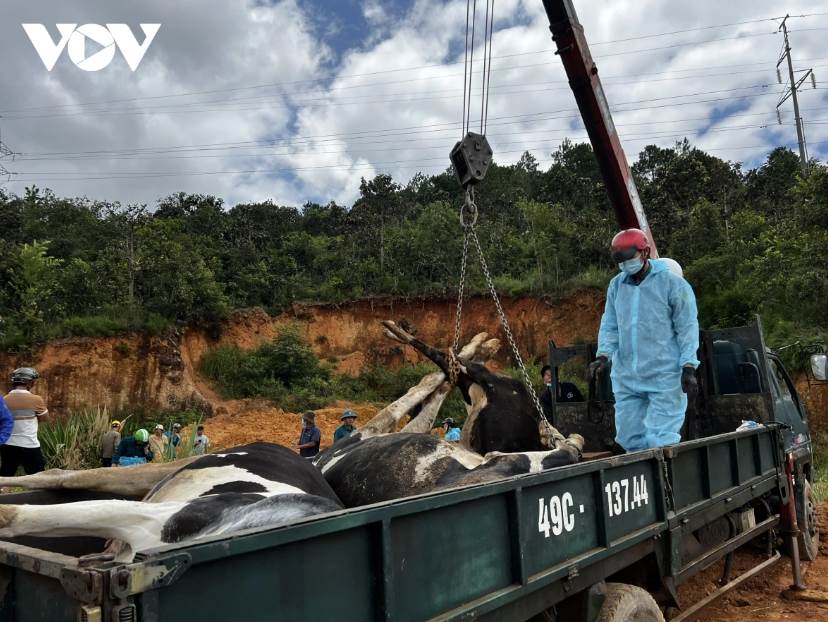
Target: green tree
<point>172,279</point>
<point>36,281</point>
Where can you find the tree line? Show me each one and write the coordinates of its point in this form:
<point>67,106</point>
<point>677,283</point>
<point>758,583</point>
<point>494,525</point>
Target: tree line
<point>749,241</point>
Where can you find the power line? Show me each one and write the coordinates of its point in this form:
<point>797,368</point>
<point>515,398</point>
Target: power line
<point>254,108</point>
<point>272,171</point>
<point>366,147</point>
<point>358,139</point>
<point>439,147</point>
<point>370,137</point>
<point>433,65</point>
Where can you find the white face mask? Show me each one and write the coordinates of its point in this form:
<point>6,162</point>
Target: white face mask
<point>631,266</point>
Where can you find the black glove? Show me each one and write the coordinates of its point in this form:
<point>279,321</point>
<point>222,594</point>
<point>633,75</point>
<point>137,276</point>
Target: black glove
<point>689,384</point>
<point>596,367</point>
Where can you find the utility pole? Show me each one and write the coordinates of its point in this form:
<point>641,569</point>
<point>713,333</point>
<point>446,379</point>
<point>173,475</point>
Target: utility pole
<point>5,152</point>
<point>792,93</point>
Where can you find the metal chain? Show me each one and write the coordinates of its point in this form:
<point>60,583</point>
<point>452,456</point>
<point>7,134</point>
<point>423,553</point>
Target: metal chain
<point>506,329</point>
<point>468,216</point>
<point>468,220</point>
<point>459,315</point>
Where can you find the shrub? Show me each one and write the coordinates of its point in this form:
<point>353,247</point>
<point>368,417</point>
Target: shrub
<point>74,441</point>
<point>287,366</point>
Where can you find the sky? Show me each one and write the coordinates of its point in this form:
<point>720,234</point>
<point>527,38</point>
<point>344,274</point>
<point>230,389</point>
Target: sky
<point>297,101</point>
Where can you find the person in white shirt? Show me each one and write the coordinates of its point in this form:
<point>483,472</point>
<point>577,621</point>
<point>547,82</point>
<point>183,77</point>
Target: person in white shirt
<point>201,443</point>
<point>23,447</point>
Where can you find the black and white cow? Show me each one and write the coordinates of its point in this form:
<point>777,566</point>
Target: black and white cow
<point>501,415</point>
<point>401,464</point>
<point>256,485</point>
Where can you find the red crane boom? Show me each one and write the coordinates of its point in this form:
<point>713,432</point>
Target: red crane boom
<point>568,34</point>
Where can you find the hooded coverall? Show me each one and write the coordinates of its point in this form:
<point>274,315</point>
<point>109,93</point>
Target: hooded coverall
<point>650,332</point>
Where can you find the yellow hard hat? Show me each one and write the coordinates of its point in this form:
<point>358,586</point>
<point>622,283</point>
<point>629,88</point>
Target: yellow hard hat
<point>115,422</point>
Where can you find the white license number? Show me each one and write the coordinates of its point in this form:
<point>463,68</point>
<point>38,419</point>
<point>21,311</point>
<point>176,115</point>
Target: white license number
<point>623,497</point>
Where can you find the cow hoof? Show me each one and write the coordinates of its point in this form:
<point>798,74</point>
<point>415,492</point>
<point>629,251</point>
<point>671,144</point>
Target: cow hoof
<point>577,441</point>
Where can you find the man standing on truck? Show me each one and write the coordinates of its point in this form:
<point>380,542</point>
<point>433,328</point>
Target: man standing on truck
<point>650,333</point>
<point>23,447</point>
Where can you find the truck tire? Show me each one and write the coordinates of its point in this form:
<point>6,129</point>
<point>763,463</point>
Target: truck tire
<point>806,519</point>
<point>628,603</point>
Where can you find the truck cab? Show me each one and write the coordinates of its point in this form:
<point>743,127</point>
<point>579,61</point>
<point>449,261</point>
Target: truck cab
<point>740,380</point>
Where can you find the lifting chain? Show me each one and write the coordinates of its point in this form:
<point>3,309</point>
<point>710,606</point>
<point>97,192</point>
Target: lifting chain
<point>468,220</point>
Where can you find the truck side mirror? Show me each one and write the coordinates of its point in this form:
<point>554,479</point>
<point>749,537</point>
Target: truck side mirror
<point>819,366</point>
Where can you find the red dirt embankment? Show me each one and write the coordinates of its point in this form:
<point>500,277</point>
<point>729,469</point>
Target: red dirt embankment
<point>161,372</point>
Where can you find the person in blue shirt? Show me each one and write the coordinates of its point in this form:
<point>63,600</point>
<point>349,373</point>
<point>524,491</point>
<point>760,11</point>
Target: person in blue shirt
<point>347,428</point>
<point>650,334</point>
<point>310,437</point>
<point>452,433</point>
<point>6,422</point>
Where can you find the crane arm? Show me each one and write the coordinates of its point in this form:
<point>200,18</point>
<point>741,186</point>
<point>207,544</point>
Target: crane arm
<point>572,47</point>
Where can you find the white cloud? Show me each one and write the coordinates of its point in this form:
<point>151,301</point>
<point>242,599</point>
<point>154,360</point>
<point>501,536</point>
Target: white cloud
<point>333,132</point>
<point>374,12</point>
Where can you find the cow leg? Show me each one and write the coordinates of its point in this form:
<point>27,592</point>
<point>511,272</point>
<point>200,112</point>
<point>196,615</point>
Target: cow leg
<point>424,421</point>
<point>568,452</point>
<point>437,357</point>
<point>386,420</point>
<point>131,481</point>
<point>136,523</point>
<point>430,407</point>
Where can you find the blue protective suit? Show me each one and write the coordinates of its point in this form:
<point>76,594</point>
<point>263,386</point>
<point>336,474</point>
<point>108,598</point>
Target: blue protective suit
<point>649,332</point>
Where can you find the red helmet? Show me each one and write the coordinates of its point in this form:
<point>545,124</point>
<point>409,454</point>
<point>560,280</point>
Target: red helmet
<point>630,238</point>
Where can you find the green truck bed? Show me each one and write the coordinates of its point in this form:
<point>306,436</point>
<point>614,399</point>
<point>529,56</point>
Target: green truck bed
<point>505,550</point>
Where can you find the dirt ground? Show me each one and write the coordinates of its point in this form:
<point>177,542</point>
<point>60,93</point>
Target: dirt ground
<point>760,598</point>
<point>246,421</point>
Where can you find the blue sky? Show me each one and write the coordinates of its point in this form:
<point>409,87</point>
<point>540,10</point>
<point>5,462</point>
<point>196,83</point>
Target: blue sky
<point>295,101</point>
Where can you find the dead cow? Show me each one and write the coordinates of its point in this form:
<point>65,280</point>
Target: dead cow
<point>501,415</point>
<point>261,484</point>
<point>391,466</point>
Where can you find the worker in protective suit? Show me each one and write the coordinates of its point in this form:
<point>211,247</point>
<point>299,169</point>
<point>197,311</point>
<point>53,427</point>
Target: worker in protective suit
<point>650,334</point>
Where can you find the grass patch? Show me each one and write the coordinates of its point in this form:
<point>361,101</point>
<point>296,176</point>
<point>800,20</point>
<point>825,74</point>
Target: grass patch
<point>74,441</point>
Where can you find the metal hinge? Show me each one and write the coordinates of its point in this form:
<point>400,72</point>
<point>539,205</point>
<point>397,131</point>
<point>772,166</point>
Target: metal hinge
<point>83,585</point>
<point>125,581</point>
<point>570,576</point>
